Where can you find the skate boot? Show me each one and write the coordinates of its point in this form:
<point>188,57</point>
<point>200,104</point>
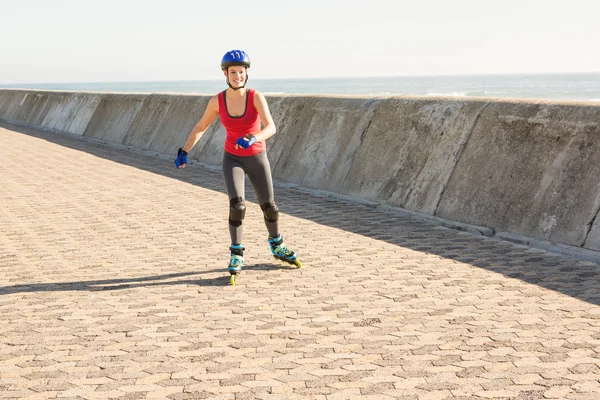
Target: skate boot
<point>281,252</point>
<point>236,262</point>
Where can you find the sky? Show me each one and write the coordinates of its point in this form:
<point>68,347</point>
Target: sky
<point>147,40</point>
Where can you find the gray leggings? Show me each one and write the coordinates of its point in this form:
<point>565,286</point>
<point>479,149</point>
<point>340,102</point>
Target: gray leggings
<point>258,169</point>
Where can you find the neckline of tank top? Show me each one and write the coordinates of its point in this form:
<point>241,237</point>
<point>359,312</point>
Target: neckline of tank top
<point>245,105</point>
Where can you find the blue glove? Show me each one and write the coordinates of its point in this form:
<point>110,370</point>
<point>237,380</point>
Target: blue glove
<point>181,158</point>
<point>246,142</point>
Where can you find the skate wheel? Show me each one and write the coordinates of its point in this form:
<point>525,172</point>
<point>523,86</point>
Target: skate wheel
<point>232,280</point>
<point>298,263</point>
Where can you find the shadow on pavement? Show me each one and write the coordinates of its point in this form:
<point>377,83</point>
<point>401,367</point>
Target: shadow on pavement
<point>131,283</point>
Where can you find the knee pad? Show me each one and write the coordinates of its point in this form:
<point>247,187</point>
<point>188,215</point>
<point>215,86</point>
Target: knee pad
<point>270,211</point>
<point>237,211</point>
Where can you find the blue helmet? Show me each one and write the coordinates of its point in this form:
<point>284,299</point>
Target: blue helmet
<point>235,57</point>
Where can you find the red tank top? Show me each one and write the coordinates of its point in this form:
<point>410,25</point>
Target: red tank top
<point>237,127</point>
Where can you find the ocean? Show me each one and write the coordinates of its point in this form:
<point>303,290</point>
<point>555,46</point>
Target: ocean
<point>580,87</point>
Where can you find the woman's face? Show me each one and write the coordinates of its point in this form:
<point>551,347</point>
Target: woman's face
<point>236,75</point>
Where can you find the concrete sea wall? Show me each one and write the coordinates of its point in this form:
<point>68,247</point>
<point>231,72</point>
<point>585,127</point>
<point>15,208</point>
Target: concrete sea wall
<point>527,167</point>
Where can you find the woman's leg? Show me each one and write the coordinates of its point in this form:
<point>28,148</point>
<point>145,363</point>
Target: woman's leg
<point>234,175</point>
<point>259,172</point>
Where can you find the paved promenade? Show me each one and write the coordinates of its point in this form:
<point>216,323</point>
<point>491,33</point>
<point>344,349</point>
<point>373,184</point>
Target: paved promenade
<point>113,286</point>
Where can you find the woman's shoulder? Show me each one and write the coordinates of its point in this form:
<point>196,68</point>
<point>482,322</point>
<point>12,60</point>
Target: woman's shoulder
<point>255,93</point>
<point>214,102</point>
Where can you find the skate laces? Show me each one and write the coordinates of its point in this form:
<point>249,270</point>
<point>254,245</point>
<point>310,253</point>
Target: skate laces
<point>278,247</point>
<point>282,249</point>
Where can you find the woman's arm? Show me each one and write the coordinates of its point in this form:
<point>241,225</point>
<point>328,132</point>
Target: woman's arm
<point>211,113</point>
<point>266,120</point>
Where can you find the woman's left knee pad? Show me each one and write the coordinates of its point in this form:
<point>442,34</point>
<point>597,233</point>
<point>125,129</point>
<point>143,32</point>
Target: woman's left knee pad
<point>270,211</point>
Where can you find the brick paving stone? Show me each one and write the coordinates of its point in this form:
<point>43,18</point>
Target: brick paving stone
<point>113,285</point>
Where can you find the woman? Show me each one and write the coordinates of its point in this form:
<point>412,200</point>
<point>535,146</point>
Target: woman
<point>242,112</point>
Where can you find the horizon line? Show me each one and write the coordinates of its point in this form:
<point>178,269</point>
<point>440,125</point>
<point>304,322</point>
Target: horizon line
<point>320,78</point>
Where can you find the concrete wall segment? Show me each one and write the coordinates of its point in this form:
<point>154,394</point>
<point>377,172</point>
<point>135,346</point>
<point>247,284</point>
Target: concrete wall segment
<point>22,110</point>
<point>86,107</point>
<point>55,111</point>
<point>12,103</point>
<point>409,151</point>
<point>52,110</point>
<point>317,139</point>
<point>529,168</point>
<point>38,109</point>
<point>173,129</point>
<point>144,127</point>
<point>113,116</point>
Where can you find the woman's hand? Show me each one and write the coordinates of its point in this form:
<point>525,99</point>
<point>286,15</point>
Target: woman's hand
<point>181,160</point>
<point>245,142</point>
